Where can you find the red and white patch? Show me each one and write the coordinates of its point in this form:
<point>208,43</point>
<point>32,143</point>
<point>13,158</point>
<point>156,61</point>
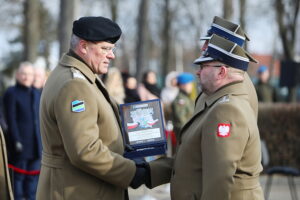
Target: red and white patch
<point>223,130</point>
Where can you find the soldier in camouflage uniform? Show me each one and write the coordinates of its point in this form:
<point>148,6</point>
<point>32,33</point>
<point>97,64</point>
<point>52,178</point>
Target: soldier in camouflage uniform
<point>183,105</point>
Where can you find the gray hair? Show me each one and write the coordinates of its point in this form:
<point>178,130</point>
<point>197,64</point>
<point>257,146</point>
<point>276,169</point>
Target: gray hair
<point>74,41</point>
<point>25,64</point>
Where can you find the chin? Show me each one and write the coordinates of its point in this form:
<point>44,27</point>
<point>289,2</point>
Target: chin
<point>104,71</point>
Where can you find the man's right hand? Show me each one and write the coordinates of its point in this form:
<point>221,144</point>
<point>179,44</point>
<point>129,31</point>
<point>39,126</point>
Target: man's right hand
<point>142,174</point>
<point>18,147</point>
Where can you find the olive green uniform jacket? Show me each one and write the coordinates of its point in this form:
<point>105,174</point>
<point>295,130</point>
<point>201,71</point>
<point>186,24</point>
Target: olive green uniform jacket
<point>5,183</point>
<point>249,89</point>
<point>183,109</point>
<point>265,92</point>
<point>215,163</point>
<point>81,135</point>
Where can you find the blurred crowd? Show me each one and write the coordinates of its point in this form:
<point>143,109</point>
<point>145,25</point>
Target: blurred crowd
<point>19,118</point>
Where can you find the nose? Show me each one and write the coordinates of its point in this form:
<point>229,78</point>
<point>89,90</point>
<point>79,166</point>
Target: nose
<point>111,55</point>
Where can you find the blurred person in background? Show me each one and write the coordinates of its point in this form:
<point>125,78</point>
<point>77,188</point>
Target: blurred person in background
<point>131,93</point>
<point>183,105</point>
<point>148,89</point>
<point>24,144</point>
<point>38,85</point>
<point>265,91</point>
<point>39,78</point>
<point>169,93</point>
<point>114,84</point>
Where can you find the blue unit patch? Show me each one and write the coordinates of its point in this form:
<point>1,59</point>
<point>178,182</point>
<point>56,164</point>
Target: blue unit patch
<point>78,106</point>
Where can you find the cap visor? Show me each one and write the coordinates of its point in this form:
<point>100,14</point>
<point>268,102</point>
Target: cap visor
<point>251,58</point>
<point>205,38</point>
<point>202,60</point>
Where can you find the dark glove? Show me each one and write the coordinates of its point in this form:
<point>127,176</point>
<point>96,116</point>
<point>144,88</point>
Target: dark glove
<point>142,174</point>
<point>18,147</point>
<point>128,148</point>
<point>139,177</point>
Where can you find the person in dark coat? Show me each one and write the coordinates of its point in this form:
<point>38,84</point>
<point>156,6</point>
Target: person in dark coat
<point>131,93</point>
<point>21,103</point>
<point>148,89</point>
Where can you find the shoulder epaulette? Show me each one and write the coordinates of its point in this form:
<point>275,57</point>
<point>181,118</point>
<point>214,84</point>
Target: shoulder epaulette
<point>77,74</point>
<point>224,99</point>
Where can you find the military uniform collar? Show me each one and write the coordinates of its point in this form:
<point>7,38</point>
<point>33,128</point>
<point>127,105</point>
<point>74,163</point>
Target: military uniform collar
<point>73,60</point>
<point>229,89</point>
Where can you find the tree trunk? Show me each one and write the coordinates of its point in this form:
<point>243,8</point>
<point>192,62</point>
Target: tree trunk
<point>166,38</point>
<point>283,30</point>
<point>113,4</point>
<point>67,15</point>
<point>227,9</point>
<point>141,34</point>
<point>114,9</point>
<point>242,17</point>
<point>287,24</point>
<point>31,29</point>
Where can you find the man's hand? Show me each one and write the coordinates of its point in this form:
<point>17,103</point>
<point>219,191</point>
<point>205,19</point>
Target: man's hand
<point>142,174</point>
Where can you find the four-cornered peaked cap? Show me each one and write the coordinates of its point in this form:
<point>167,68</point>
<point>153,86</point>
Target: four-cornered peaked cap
<point>228,30</point>
<point>227,52</point>
<point>97,29</point>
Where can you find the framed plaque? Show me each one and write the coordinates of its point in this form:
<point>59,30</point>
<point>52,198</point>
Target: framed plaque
<point>143,128</point>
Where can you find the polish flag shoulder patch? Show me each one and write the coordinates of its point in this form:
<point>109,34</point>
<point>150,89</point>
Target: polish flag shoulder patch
<point>223,130</point>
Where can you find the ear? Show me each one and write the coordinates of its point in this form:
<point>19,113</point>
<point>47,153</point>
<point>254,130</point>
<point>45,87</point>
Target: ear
<point>223,71</point>
<point>83,47</point>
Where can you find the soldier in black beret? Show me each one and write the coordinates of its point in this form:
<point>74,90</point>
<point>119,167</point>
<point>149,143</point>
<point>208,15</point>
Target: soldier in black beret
<point>80,125</point>
<point>97,29</point>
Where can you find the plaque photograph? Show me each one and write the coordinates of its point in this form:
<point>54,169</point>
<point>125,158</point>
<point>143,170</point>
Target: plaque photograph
<point>143,128</point>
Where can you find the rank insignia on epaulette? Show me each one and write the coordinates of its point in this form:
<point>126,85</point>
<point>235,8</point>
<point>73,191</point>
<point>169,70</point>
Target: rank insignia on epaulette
<point>224,99</point>
<point>77,74</point>
<point>78,106</point>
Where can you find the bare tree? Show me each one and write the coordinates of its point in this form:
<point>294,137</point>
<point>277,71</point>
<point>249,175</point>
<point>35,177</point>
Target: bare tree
<point>48,33</point>
<point>227,9</point>
<point>242,16</point>
<point>287,14</point>
<point>113,5</point>
<point>67,16</point>
<point>142,35</point>
<point>114,9</point>
<point>31,29</point>
<point>166,38</point>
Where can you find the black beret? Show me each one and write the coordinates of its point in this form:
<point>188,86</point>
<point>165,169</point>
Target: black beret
<point>97,29</point>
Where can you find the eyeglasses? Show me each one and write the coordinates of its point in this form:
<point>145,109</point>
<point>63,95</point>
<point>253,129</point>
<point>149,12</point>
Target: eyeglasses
<point>206,65</point>
<point>106,50</point>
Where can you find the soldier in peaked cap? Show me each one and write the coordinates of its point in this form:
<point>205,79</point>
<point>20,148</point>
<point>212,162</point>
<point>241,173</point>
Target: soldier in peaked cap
<point>80,125</point>
<point>234,33</point>
<point>218,156</point>
<point>228,30</point>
